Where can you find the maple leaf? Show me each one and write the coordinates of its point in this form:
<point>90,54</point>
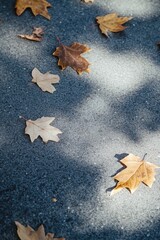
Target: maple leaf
<point>41,127</point>
<point>137,171</point>
<point>112,23</point>
<point>37,7</point>
<point>45,81</point>
<point>35,36</point>
<point>70,56</point>
<point>28,233</point>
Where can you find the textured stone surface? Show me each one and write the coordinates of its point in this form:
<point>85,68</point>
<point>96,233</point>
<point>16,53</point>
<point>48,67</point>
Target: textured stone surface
<point>111,111</point>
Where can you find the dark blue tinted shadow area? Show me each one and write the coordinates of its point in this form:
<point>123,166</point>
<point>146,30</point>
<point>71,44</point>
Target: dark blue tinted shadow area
<point>33,174</point>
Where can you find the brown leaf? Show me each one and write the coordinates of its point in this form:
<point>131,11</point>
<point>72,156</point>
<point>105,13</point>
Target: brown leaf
<point>41,127</point>
<point>28,233</point>
<point>35,36</point>
<point>112,23</point>
<point>71,56</point>
<point>137,171</point>
<point>37,7</point>
<point>45,81</point>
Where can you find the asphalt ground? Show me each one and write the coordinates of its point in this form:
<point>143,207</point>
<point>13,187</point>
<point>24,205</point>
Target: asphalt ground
<point>113,111</point>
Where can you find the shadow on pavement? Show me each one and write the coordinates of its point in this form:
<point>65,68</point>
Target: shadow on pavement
<point>138,111</point>
<point>33,174</point>
<point>31,178</point>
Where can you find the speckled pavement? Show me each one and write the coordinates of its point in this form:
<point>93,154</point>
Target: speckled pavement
<point>103,115</point>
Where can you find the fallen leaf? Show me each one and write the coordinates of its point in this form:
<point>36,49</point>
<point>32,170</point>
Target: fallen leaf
<point>35,36</point>
<point>38,32</point>
<point>37,7</point>
<point>87,1</point>
<point>45,81</point>
<point>112,23</point>
<point>137,171</point>
<point>158,44</point>
<point>41,127</point>
<point>28,233</point>
<point>71,56</point>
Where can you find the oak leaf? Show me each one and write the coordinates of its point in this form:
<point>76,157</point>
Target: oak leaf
<point>45,81</point>
<point>111,23</point>
<point>28,233</point>
<point>41,127</point>
<point>35,36</point>
<point>71,56</point>
<point>136,171</point>
<point>37,7</point>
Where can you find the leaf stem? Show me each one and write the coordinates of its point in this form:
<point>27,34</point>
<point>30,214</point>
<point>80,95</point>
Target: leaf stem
<point>23,118</point>
<point>144,156</point>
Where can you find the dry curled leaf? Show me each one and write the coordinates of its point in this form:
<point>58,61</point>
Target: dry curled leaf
<point>111,23</point>
<point>28,233</point>
<point>38,7</point>
<point>71,56</point>
<point>35,36</point>
<point>41,127</point>
<point>45,81</point>
<point>136,171</point>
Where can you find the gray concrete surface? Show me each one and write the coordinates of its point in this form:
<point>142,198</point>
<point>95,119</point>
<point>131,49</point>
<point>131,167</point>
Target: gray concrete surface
<point>111,111</point>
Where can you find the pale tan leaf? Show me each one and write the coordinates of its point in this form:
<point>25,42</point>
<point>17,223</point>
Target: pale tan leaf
<point>45,81</point>
<point>27,233</point>
<point>112,23</point>
<point>88,1</point>
<point>30,37</point>
<point>136,171</point>
<point>50,236</point>
<point>41,127</point>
